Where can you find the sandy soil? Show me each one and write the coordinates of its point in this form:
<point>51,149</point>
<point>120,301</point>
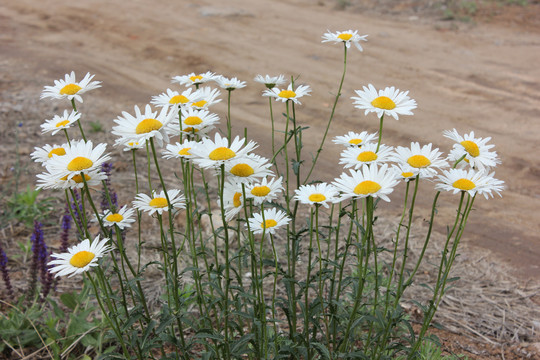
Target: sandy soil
<point>482,77</point>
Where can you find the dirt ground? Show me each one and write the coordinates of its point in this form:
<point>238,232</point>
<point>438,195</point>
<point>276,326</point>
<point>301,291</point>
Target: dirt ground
<point>478,74</point>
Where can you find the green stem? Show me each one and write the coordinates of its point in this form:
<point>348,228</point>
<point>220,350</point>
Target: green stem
<point>380,132</point>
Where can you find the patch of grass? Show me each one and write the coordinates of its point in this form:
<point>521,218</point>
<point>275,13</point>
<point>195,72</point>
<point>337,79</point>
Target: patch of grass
<point>25,207</point>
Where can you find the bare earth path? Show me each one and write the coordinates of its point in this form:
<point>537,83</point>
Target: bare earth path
<point>484,78</point>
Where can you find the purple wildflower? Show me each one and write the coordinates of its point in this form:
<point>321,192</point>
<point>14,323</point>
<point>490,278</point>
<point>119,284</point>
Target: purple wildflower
<point>5,272</point>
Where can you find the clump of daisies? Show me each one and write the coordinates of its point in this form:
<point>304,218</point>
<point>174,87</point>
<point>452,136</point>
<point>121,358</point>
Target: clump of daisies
<point>232,227</point>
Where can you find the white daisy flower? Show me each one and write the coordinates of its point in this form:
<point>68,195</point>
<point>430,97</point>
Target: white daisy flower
<point>272,220</point>
<point>359,156</point>
<point>389,101</point>
<point>69,88</point>
<point>122,218</point>
<point>178,151</point>
<point>143,127</point>
<point>80,157</point>
<point>193,79</point>
<point>368,181</point>
<point>229,84</point>
<point>59,123</point>
<point>426,160</point>
<point>233,199</point>
<point>212,153</point>
<point>79,258</point>
<point>158,202</point>
<point>405,171</point>
<point>289,94</point>
<point>317,194</point>
<point>129,144</point>
<point>270,81</point>
<point>472,181</point>
<point>476,150</point>
<point>265,190</point>
<point>346,37</point>
<point>355,139</point>
<point>194,122</point>
<point>47,180</point>
<point>174,98</point>
<point>248,168</point>
<point>207,96</point>
<point>43,154</point>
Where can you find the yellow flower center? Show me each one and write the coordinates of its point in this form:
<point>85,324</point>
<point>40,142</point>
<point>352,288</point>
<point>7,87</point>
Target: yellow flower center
<point>62,123</point>
<point>236,199</point>
<point>79,163</point>
<point>317,197</point>
<point>287,94</point>
<point>355,141</point>
<point>221,153</point>
<point>158,202</point>
<point>418,161</point>
<point>268,223</point>
<point>192,120</point>
<point>70,89</point>
<point>81,259</point>
<point>407,174</point>
<point>178,99</point>
<point>195,78</point>
<point>133,143</point>
<point>57,151</point>
<point>345,36</point>
<point>199,103</point>
<point>77,178</point>
<point>464,184</point>
<point>471,148</point>
<point>367,187</point>
<point>148,125</point>
<point>114,218</point>
<point>383,102</point>
<point>260,190</point>
<point>184,151</point>
<point>367,156</point>
<point>242,170</point>
<point>190,130</point>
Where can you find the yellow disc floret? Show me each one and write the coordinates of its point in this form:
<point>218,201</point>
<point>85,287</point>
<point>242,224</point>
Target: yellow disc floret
<point>62,123</point>
<point>345,36</point>
<point>355,141</point>
<point>57,151</point>
<point>70,89</point>
<point>464,184</point>
<point>148,125</point>
<point>114,218</point>
<point>260,190</point>
<point>268,223</point>
<point>199,103</point>
<point>367,187</point>
<point>471,148</point>
<point>82,258</point>
<point>242,170</point>
<point>79,163</point>
<point>192,120</point>
<point>158,202</point>
<point>384,102</point>
<point>367,156</point>
<point>221,153</point>
<point>317,197</point>
<point>184,152</point>
<point>195,78</point>
<point>287,94</point>
<point>407,174</point>
<point>418,161</point>
<point>236,199</point>
<point>178,99</point>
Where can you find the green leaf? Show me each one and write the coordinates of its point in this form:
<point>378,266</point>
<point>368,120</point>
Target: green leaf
<point>69,300</point>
